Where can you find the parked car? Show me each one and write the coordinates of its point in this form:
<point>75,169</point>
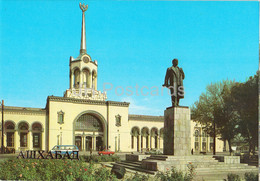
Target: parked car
<point>64,148</point>
<point>106,152</point>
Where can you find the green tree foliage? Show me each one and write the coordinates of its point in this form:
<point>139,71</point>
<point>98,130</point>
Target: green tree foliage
<point>245,101</point>
<point>214,107</point>
<point>233,107</point>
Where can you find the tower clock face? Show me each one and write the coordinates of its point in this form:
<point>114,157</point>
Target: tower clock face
<point>85,59</point>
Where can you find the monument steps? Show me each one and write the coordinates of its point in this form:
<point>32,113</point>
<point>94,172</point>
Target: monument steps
<point>137,163</point>
<point>216,176</point>
<point>133,167</point>
<point>207,168</point>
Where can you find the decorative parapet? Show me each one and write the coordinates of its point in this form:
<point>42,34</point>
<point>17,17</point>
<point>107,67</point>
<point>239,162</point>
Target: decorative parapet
<point>132,117</point>
<point>24,110</point>
<point>87,101</point>
<point>86,93</point>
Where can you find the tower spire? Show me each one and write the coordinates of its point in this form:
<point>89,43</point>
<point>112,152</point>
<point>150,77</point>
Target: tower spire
<point>83,29</point>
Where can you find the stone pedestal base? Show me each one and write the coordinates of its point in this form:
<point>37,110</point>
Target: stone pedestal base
<point>177,138</point>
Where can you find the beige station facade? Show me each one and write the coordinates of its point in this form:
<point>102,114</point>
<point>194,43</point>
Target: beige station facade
<point>84,117</point>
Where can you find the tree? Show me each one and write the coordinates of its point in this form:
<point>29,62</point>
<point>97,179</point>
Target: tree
<point>213,111</point>
<point>245,97</point>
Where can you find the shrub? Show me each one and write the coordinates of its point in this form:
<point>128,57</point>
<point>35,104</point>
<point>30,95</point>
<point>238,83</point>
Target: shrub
<point>139,177</point>
<point>233,177</point>
<point>154,152</point>
<point>250,176</point>
<point>174,175</point>
<point>97,158</point>
<point>64,169</point>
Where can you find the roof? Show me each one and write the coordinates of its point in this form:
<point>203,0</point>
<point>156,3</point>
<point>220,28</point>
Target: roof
<point>146,118</point>
<point>85,101</point>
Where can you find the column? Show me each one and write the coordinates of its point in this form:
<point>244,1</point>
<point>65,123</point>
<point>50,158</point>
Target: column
<point>5,137</point>
<point>142,143</point>
<point>31,145</point>
<point>119,142</point>
<point>83,142</point>
<point>151,142</point>
<point>90,80</point>
<point>115,143</point>
<point>139,143</point>
<point>94,142</point>
<point>71,80</point>
<point>148,137</point>
<point>159,142</point>
<point>80,79</point>
<point>60,138</point>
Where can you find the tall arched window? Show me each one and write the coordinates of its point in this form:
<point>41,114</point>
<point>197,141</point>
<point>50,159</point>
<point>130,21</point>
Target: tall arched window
<point>37,135</point>
<point>88,122</point>
<point>145,138</point>
<point>161,138</point>
<point>204,141</point>
<point>94,80</point>
<point>135,136</point>
<point>196,143</point>
<point>76,78</point>
<point>9,127</point>
<point>154,135</point>
<point>23,129</point>
<point>86,76</point>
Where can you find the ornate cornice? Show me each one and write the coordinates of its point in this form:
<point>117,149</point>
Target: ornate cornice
<point>133,117</point>
<point>24,110</point>
<point>84,101</point>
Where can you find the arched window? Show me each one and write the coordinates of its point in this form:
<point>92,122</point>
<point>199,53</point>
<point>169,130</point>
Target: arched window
<point>196,143</point>
<point>23,129</point>
<point>94,80</point>
<point>37,135</point>
<point>145,136</point>
<point>135,134</point>
<point>204,144</point>
<point>161,133</point>
<point>86,76</point>
<point>88,122</point>
<point>154,134</point>
<point>9,127</point>
<point>76,78</point>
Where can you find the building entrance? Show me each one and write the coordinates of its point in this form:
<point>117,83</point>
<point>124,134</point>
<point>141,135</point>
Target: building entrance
<point>89,133</point>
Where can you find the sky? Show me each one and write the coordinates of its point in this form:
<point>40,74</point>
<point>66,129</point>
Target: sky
<point>134,43</point>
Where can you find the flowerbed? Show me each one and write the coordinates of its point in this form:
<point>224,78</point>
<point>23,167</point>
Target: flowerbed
<point>33,169</point>
<point>97,158</point>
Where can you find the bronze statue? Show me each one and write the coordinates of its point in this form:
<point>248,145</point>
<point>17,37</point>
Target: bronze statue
<point>174,81</point>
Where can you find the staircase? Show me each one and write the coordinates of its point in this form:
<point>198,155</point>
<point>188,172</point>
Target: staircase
<point>206,167</point>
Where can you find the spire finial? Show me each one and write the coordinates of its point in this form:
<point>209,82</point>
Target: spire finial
<point>83,7</point>
<point>83,29</point>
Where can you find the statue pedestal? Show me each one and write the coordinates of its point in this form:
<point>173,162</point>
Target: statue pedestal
<point>177,138</point>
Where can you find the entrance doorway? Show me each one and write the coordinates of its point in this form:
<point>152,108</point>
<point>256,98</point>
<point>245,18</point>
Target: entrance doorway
<point>88,143</point>
<point>90,132</point>
<point>78,142</point>
<point>99,143</point>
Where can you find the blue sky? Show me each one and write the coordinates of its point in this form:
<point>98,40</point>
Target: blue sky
<point>133,42</point>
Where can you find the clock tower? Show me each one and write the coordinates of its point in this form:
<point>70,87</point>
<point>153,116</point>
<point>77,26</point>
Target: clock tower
<point>83,71</point>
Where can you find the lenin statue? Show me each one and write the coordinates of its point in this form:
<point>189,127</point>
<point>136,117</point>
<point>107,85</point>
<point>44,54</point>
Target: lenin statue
<point>174,81</point>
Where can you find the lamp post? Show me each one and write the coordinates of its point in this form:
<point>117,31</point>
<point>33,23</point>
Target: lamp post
<point>2,145</point>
